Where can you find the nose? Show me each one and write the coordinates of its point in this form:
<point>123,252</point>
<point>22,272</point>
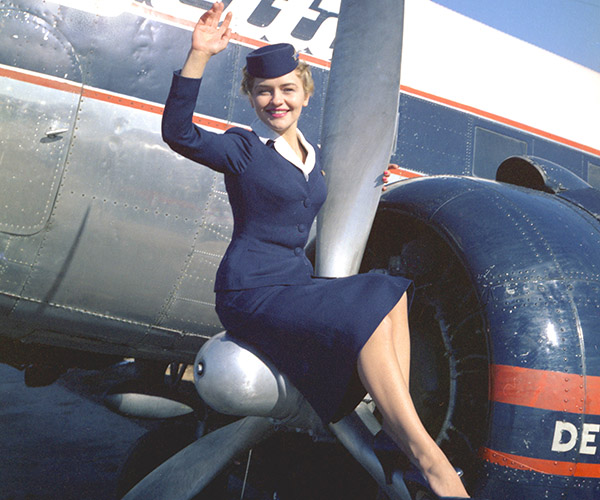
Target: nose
<point>277,97</point>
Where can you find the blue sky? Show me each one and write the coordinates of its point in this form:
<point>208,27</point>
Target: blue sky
<point>569,28</point>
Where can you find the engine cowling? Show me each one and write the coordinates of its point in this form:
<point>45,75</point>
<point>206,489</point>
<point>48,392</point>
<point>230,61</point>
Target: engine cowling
<point>232,379</point>
<point>506,329</point>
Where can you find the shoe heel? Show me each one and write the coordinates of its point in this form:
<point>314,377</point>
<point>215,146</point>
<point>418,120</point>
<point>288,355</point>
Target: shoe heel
<point>414,476</point>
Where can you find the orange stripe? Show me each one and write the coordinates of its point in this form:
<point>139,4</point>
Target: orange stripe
<point>66,86</point>
<point>548,390</point>
<point>129,102</point>
<point>553,467</point>
<point>152,108</point>
<point>42,80</point>
<point>395,169</point>
<point>500,119</point>
<point>207,122</point>
<point>100,95</point>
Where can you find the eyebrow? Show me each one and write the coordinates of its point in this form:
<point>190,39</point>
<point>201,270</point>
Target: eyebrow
<point>262,86</point>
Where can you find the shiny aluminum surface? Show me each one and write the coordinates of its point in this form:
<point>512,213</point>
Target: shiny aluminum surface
<point>107,237</point>
<point>233,380</point>
<point>358,129</point>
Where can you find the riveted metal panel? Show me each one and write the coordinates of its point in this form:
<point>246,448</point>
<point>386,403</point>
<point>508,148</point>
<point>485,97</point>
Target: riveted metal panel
<point>118,244</point>
<point>35,121</point>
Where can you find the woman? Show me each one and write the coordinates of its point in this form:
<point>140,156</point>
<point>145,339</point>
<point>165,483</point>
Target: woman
<point>325,334</point>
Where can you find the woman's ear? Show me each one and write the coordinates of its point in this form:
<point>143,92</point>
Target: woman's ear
<point>251,102</point>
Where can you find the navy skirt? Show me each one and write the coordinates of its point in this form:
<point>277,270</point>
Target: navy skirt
<point>314,333</point>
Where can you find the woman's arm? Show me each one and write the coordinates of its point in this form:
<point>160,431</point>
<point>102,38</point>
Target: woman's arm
<point>208,39</point>
<point>221,152</point>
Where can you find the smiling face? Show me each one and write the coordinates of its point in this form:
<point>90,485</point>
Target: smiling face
<point>278,102</point>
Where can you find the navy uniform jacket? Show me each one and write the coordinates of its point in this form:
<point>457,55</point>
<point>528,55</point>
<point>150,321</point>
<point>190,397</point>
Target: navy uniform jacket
<point>272,202</point>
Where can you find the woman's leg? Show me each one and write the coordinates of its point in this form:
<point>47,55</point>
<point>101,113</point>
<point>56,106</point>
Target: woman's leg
<point>401,336</point>
<point>382,374</point>
<point>401,344</point>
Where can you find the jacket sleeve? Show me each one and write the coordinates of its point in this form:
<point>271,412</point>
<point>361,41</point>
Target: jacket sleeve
<point>228,152</point>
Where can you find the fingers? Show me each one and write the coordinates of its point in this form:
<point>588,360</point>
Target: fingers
<point>227,36</point>
<point>211,16</point>
<point>215,14</point>
<point>226,22</point>
<point>385,178</point>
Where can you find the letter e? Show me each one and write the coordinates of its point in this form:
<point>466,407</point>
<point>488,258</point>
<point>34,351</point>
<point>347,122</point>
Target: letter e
<point>588,438</point>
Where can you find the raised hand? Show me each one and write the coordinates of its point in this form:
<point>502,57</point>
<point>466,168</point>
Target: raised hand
<point>208,36</point>
<point>208,39</point>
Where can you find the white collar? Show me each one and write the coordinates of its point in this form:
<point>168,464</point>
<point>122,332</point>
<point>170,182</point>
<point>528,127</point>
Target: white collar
<point>265,134</point>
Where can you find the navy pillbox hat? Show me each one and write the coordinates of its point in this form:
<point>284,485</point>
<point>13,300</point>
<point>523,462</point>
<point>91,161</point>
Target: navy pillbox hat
<point>272,61</point>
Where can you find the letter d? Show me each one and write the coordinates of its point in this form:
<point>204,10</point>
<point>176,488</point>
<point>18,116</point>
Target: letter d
<point>559,429</point>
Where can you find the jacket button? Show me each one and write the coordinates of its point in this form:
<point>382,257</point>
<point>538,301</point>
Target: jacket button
<point>301,228</point>
<point>307,202</point>
<point>298,251</point>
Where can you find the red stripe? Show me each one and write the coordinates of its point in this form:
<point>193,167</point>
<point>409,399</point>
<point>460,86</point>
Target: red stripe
<point>100,95</point>
<point>42,80</point>
<point>395,169</point>
<point>500,119</point>
<point>152,108</point>
<point>553,467</point>
<point>45,81</point>
<point>128,102</point>
<point>547,390</point>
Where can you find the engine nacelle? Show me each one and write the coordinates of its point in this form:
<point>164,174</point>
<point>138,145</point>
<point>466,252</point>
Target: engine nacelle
<point>508,276</point>
<point>233,380</point>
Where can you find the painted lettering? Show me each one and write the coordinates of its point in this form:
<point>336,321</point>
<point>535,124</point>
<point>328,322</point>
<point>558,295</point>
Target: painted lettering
<point>560,445</point>
<point>290,14</point>
<point>566,435</point>
<point>287,17</point>
<point>588,436</point>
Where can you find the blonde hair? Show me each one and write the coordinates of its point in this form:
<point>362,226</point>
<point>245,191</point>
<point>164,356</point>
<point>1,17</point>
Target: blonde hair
<point>302,70</point>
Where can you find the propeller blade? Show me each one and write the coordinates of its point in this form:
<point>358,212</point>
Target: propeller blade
<point>355,431</point>
<point>188,472</point>
<point>142,405</point>
<point>359,128</point>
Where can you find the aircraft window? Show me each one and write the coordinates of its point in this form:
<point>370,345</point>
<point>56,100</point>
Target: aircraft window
<point>490,149</point>
<point>594,175</point>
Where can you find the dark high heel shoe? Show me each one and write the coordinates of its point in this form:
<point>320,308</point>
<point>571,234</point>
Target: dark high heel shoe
<point>414,476</point>
<point>389,455</point>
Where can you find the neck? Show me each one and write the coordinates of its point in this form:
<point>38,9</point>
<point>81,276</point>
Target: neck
<point>291,137</point>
